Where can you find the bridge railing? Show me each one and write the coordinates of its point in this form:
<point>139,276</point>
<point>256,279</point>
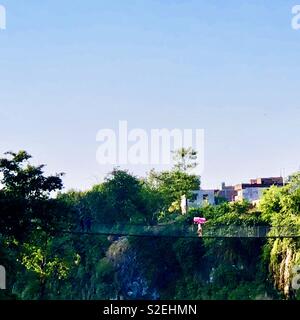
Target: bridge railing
<point>175,230</point>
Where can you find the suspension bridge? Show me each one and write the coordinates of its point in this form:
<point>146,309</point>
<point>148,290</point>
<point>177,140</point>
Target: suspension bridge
<point>190,231</point>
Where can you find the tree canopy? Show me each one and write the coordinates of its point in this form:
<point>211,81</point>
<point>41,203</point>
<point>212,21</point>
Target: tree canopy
<point>49,254</point>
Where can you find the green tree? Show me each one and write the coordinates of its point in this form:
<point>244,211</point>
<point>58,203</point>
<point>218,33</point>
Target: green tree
<point>25,195</point>
<point>172,185</point>
<point>128,199</point>
<point>24,180</point>
<point>185,159</point>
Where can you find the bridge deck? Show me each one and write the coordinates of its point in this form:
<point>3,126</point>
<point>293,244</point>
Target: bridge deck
<point>178,231</point>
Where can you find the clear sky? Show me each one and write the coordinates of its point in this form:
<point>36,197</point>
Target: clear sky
<point>69,68</point>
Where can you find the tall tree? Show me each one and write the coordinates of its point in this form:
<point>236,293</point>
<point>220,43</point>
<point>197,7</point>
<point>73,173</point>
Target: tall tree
<point>25,194</point>
<point>172,185</point>
<point>185,159</point>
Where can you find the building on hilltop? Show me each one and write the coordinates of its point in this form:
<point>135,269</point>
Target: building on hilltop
<point>227,193</point>
<point>254,190</point>
<point>251,192</point>
<point>202,197</point>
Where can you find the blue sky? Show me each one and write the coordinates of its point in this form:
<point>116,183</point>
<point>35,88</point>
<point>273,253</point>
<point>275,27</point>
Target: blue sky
<point>69,68</point>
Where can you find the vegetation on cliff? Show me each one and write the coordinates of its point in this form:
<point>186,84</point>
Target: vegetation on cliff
<point>43,262</point>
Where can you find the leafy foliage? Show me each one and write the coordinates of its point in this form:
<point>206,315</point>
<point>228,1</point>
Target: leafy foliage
<point>44,261</point>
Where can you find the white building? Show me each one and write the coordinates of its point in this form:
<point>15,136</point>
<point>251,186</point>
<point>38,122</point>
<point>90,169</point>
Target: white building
<point>201,198</point>
<point>252,194</point>
<point>253,191</point>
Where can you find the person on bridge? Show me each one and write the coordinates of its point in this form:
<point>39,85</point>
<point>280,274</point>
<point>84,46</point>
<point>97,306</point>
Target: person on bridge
<point>199,231</point>
<point>88,224</point>
<point>82,225</point>
<point>199,221</point>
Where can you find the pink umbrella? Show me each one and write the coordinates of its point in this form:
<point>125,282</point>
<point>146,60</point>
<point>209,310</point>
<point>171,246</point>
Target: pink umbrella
<point>198,220</point>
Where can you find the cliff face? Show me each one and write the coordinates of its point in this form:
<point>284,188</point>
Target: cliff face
<point>129,280</point>
<point>285,255</point>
